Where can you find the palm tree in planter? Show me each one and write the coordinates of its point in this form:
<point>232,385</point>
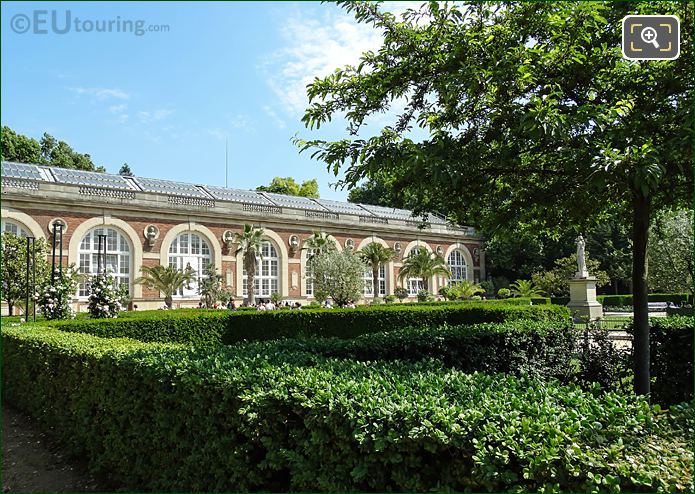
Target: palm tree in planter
<point>466,289</point>
<point>423,264</point>
<point>250,243</point>
<point>167,280</point>
<point>374,255</point>
<point>526,289</point>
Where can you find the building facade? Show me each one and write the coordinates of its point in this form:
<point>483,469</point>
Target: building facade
<point>151,221</point>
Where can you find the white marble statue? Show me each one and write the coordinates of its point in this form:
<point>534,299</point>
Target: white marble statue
<point>582,272</point>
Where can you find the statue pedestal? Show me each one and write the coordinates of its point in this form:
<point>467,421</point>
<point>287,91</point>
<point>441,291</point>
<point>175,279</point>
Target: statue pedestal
<point>583,298</point>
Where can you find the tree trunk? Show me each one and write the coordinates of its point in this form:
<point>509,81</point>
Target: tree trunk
<point>168,300</point>
<point>251,281</point>
<point>425,284</point>
<point>10,308</point>
<point>375,282</point>
<point>640,239</point>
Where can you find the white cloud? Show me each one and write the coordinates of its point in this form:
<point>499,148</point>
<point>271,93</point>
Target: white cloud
<point>101,94</point>
<point>274,117</point>
<point>314,47</point>
<point>118,108</point>
<point>317,45</point>
<point>153,116</point>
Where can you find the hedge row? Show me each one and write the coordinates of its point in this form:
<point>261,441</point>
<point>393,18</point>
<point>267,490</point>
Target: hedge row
<point>164,418</point>
<point>624,300</point>
<point>217,326</point>
<point>538,349</point>
<point>671,358</point>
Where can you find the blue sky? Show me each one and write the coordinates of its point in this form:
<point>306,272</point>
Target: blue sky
<point>164,102</point>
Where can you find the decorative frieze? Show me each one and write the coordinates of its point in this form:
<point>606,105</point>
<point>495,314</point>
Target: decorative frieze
<point>374,219</point>
<point>324,215</point>
<point>191,201</point>
<point>100,192</point>
<point>261,208</point>
<point>17,183</point>
<point>418,224</point>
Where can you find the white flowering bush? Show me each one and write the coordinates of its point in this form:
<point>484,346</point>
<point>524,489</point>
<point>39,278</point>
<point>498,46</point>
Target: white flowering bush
<point>53,299</point>
<point>106,298</point>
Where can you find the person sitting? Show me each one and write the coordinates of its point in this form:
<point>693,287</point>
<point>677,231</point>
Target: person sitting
<point>231,305</point>
<point>297,306</point>
<point>270,305</point>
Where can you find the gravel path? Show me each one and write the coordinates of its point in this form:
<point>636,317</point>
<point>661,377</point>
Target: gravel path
<point>31,462</point>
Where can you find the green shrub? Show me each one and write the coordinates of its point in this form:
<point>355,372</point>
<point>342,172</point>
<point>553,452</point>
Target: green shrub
<point>540,300</point>
<point>623,300</point>
<point>560,300</point>
<point>535,348</point>
<point>424,296</point>
<point>679,311</point>
<point>212,327</point>
<point>389,299</point>
<point>504,293</point>
<point>671,358</point>
<point>269,416</point>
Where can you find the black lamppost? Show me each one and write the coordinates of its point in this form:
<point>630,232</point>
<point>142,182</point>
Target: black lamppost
<point>30,289</point>
<point>101,251</point>
<point>57,244</point>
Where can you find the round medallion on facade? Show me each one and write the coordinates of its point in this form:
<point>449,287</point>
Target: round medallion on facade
<point>397,247</point>
<point>440,250</point>
<point>349,244</point>
<point>151,234</point>
<point>293,242</point>
<point>228,238</point>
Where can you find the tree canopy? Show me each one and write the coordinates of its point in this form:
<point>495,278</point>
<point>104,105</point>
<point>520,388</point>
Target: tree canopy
<point>530,113</point>
<point>125,170</point>
<point>289,186</point>
<point>49,151</point>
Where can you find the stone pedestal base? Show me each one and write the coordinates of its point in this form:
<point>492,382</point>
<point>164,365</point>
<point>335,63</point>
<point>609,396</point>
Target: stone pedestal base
<point>583,301</point>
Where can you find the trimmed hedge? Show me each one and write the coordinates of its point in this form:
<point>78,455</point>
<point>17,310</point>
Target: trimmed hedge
<point>165,418</point>
<point>625,300</point>
<point>679,311</point>
<point>671,358</point>
<point>521,347</point>
<point>215,327</point>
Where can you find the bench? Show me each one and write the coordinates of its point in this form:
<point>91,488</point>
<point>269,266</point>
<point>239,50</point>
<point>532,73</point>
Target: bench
<point>658,305</point>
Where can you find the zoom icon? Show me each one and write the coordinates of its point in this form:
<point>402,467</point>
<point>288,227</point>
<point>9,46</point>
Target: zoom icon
<point>651,37</point>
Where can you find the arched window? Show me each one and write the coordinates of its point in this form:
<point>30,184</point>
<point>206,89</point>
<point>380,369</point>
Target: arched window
<point>14,228</point>
<point>457,266</point>
<point>267,280</point>
<point>118,257</point>
<point>308,273</point>
<point>415,284</point>
<point>369,281</point>
<point>190,251</point>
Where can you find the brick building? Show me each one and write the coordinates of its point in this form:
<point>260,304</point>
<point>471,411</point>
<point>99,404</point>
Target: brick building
<point>152,221</point>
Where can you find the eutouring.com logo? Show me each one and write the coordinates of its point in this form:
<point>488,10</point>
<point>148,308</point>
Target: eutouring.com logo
<point>64,22</point>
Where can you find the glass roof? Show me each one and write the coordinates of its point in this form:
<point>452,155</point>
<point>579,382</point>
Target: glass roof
<point>21,170</point>
<point>93,179</point>
<point>237,195</point>
<point>294,202</point>
<point>342,207</point>
<point>169,187</point>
